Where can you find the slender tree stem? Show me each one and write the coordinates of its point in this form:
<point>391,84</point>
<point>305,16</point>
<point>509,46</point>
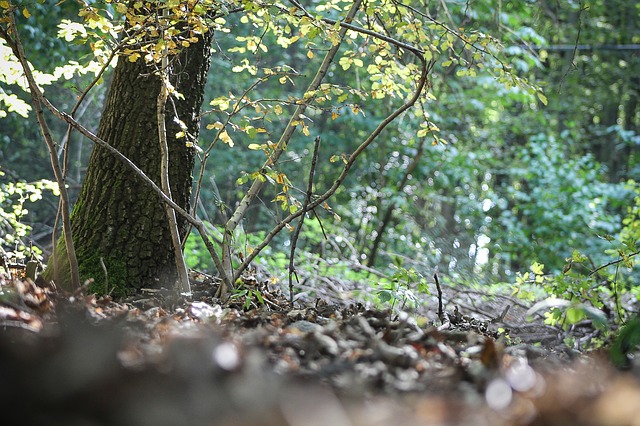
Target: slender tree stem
<point>440,310</point>
<point>183,276</point>
<point>36,96</point>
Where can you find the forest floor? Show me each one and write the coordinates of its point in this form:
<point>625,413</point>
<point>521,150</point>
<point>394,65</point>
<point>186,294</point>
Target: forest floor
<point>161,358</point>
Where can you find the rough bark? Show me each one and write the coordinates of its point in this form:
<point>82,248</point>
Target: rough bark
<point>120,228</point>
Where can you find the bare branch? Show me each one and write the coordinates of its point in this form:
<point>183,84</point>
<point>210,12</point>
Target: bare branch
<point>305,208</point>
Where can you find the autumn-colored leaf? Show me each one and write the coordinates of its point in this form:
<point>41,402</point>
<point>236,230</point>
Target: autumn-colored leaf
<point>224,137</point>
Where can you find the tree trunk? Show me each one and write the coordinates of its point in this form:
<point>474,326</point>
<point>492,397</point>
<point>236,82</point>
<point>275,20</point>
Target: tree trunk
<point>120,226</point>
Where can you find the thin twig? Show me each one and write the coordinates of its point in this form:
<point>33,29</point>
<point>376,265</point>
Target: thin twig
<point>349,26</point>
<point>503,314</point>
<point>440,310</point>
<point>305,208</point>
<point>324,233</point>
<point>613,262</point>
<point>239,105</point>
<point>572,66</point>
<point>106,275</point>
<point>616,295</point>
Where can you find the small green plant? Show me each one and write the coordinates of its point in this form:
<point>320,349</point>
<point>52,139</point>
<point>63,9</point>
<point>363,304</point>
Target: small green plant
<point>586,291</point>
<point>567,298</point>
<point>246,294</point>
<point>399,293</point>
<point>13,232</point>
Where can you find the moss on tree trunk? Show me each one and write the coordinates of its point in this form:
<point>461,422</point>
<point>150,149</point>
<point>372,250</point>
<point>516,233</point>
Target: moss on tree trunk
<point>119,225</point>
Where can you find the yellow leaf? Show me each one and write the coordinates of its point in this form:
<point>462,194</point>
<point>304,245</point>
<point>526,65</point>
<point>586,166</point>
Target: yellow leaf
<point>134,57</point>
<point>334,115</point>
<point>224,137</point>
<point>121,8</point>
<point>217,125</point>
<point>26,13</point>
<point>4,4</point>
<point>310,54</point>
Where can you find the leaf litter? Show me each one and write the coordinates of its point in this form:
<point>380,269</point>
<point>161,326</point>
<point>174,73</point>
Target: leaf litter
<point>162,358</point>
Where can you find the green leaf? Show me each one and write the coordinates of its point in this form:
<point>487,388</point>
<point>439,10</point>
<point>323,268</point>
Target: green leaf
<point>345,63</point>
<point>542,98</point>
<point>537,268</point>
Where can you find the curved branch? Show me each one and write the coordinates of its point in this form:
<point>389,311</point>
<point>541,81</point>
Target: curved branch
<point>203,162</point>
<point>181,267</point>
